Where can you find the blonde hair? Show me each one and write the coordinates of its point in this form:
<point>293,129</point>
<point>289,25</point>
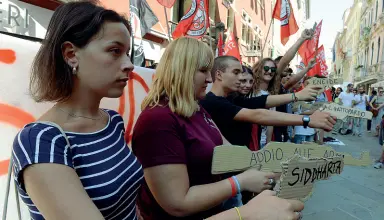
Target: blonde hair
<point>175,73</point>
<point>274,84</point>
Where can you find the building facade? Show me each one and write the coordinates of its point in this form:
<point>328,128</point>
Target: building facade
<point>370,64</point>
<point>351,41</point>
<point>248,19</point>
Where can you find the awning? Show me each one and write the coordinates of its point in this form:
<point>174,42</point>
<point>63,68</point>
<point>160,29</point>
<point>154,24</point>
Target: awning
<point>378,84</point>
<point>367,81</point>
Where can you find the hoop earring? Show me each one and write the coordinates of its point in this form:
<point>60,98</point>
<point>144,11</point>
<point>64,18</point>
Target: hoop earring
<point>74,71</point>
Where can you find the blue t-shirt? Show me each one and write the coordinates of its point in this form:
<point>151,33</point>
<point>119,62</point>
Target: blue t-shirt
<point>109,172</point>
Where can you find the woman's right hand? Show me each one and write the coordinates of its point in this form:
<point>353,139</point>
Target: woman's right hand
<point>256,181</point>
<point>266,206</point>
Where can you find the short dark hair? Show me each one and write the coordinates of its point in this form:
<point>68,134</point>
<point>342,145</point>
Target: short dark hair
<point>277,59</point>
<point>77,22</point>
<point>220,63</point>
<point>374,92</point>
<point>247,70</point>
<point>289,70</point>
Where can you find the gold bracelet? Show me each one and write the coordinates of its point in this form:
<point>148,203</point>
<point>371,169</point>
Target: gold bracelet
<point>238,213</point>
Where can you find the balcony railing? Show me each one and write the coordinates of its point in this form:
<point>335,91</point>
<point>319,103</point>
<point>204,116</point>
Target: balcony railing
<point>375,71</point>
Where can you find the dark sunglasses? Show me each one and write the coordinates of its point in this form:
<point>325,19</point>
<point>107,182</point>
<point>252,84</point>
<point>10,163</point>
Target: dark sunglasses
<point>267,68</point>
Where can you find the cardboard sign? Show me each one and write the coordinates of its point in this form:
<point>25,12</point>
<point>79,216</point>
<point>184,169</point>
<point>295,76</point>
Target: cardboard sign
<point>324,82</point>
<point>307,106</point>
<point>341,112</point>
<point>227,159</point>
<point>299,174</point>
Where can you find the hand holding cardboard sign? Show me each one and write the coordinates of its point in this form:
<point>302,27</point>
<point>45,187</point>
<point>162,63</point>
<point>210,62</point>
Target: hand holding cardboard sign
<point>267,206</point>
<point>256,181</point>
<point>322,120</point>
<point>309,93</point>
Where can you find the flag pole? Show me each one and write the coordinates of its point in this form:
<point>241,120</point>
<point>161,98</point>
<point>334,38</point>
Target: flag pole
<point>266,38</point>
<point>209,32</point>
<point>166,19</point>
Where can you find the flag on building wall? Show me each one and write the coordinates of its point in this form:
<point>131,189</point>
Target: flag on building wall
<point>167,3</point>
<point>142,20</point>
<point>195,22</point>
<point>321,68</point>
<point>231,47</point>
<point>309,46</point>
<point>284,13</point>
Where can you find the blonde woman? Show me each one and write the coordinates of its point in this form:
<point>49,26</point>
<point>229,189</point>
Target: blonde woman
<point>174,138</point>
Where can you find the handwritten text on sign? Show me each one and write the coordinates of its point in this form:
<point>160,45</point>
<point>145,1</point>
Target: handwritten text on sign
<point>342,112</point>
<point>325,82</point>
<point>234,158</point>
<point>299,175</point>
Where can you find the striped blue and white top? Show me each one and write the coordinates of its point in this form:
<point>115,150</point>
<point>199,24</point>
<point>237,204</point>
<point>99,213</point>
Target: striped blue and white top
<point>109,172</point>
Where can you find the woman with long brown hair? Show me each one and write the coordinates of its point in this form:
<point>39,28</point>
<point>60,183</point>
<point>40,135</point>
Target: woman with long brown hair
<point>266,82</point>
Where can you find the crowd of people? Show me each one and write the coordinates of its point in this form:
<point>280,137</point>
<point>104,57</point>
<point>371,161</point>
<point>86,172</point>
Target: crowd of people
<point>89,172</point>
<point>357,98</point>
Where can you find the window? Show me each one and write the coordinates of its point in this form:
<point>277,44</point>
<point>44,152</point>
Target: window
<point>263,12</point>
<point>372,16</point>
<point>247,32</point>
<point>372,53</point>
<point>256,3</point>
<point>377,8</point>
<point>230,18</point>
<point>378,51</point>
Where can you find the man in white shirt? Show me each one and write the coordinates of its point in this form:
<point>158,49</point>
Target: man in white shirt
<point>360,103</point>
<point>346,99</point>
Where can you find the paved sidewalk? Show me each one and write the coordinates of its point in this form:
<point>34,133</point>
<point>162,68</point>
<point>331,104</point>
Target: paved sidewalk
<point>358,193</point>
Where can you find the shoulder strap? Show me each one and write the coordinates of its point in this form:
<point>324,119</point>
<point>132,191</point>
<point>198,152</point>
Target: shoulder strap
<point>56,126</point>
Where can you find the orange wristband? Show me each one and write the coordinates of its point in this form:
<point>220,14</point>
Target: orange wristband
<point>233,186</point>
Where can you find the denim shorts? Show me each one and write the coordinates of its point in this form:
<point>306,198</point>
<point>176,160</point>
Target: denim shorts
<point>299,139</point>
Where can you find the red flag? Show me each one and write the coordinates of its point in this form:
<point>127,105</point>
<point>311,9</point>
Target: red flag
<point>220,45</point>
<point>321,67</point>
<point>309,46</point>
<point>195,22</point>
<point>328,94</point>
<point>283,12</point>
<point>167,3</point>
<point>231,48</point>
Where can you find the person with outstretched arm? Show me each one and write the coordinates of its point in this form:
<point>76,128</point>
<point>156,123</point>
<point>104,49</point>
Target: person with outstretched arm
<point>235,115</point>
<point>282,62</point>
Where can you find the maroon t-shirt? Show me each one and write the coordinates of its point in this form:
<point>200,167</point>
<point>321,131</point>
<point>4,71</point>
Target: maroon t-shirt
<point>163,137</point>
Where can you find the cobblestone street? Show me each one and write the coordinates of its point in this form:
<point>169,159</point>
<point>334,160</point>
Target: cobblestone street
<point>358,193</point>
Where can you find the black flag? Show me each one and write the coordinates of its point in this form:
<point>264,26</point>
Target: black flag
<point>142,20</point>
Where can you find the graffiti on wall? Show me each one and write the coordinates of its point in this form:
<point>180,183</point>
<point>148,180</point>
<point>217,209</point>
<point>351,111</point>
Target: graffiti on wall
<point>18,109</point>
<point>128,105</point>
